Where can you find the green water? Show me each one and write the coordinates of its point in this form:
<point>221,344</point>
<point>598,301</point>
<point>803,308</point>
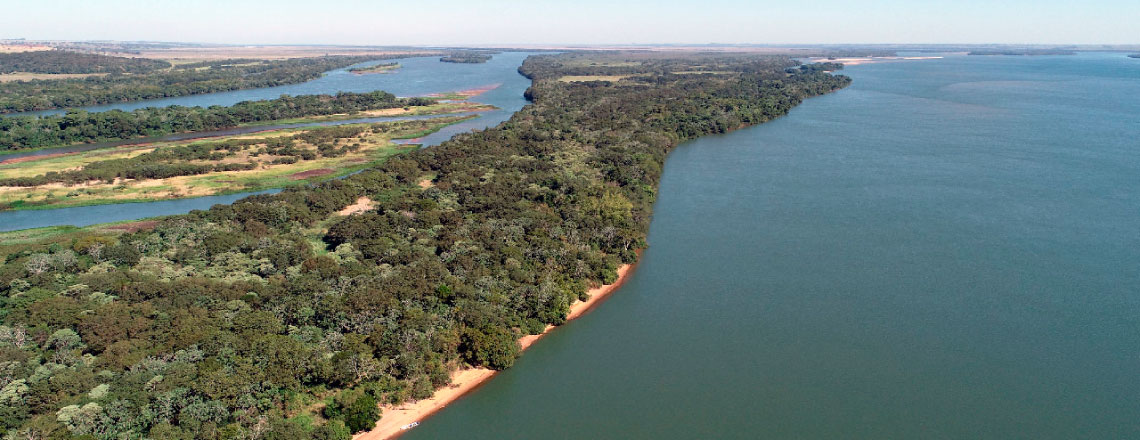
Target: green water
<point>946,249</point>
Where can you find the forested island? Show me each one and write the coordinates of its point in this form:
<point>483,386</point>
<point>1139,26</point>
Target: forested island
<point>279,317</point>
<point>379,68</point>
<point>26,132</point>
<point>466,58</point>
<point>181,80</point>
<point>66,62</point>
<point>1135,55</point>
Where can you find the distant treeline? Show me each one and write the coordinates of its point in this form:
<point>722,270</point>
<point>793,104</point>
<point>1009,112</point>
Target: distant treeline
<point>23,132</point>
<point>1023,52</point>
<point>466,58</point>
<point>60,61</point>
<point>189,79</point>
<point>817,67</point>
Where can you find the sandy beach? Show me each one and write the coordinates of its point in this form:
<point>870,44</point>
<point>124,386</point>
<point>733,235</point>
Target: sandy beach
<point>362,204</point>
<point>469,93</point>
<point>393,419</point>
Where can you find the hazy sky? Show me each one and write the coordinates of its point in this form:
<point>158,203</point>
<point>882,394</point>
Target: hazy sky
<point>575,22</point>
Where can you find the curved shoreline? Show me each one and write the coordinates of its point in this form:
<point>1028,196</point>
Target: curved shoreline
<point>393,419</point>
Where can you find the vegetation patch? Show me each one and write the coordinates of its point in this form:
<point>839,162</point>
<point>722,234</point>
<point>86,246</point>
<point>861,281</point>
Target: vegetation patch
<point>200,168</point>
<point>25,76</point>
<point>29,132</point>
<point>585,78</point>
<point>311,173</point>
<point>66,62</point>
<point>144,225</point>
<point>466,58</point>
<point>379,68</point>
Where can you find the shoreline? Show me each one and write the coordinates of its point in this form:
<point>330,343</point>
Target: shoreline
<point>855,61</point>
<point>393,419</point>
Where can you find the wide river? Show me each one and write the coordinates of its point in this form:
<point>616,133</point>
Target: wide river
<point>415,77</point>
<point>947,249</point>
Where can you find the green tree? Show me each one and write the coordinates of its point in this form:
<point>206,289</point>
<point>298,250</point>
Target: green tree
<point>362,414</point>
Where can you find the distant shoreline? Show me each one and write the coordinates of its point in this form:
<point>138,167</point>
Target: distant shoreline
<point>393,419</point>
<point>855,61</point>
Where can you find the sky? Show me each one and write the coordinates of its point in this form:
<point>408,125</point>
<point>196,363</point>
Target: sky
<point>459,22</point>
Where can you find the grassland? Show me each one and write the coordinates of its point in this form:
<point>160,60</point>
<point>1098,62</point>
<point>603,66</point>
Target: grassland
<point>24,76</point>
<point>370,147</point>
<point>584,78</point>
<point>614,78</point>
<point>439,108</point>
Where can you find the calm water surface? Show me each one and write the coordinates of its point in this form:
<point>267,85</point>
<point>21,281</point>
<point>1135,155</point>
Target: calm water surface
<point>947,249</point>
<point>417,77</point>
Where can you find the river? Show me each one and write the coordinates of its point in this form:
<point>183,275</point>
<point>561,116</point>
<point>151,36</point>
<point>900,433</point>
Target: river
<point>947,249</point>
<point>416,77</point>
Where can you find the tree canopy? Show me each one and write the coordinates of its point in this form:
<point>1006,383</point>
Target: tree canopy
<point>61,61</point>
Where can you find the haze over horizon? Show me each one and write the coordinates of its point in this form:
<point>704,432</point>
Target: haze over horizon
<point>452,22</point>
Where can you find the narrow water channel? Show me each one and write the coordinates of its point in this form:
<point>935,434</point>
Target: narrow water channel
<point>417,77</point>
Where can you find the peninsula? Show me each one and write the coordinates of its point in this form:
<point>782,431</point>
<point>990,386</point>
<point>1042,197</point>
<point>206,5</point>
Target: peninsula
<point>334,305</point>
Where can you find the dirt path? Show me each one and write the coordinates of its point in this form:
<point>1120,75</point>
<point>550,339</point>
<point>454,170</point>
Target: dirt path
<point>362,204</point>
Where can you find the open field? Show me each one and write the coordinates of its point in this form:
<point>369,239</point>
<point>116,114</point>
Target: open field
<point>24,76</point>
<point>37,165</point>
<point>14,48</point>
<point>584,78</point>
<point>439,108</point>
<point>270,170</point>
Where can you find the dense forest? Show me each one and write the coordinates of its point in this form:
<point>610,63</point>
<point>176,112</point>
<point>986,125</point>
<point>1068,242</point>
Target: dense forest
<point>274,318</point>
<point>187,79</point>
<point>466,58</point>
<point>22,132</point>
<point>60,61</point>
<point>375,68</point>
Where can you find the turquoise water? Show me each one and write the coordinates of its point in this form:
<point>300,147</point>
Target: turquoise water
<point>417,77</point>
<point>947,249</point>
